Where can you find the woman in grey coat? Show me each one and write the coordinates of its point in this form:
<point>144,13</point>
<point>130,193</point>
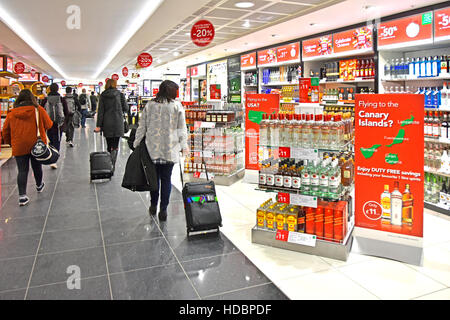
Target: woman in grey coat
<point>111,108</point>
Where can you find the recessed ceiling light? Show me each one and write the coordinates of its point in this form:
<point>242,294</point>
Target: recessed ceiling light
<point>274,35</point>
<point>164,49</point>
<point>246,24</point>
<point>312,24</point>
<point>187,34</point>
<point>369,7</point>
<point>244,4</point>
<point>176,53</point>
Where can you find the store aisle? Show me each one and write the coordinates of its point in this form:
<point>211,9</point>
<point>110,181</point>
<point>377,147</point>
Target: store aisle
<point>104,232</point>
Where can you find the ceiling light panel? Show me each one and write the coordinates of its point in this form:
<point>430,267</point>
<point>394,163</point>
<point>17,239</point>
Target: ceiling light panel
<point>231,4</point>
<point>229,14</point>
<point>285,8</point>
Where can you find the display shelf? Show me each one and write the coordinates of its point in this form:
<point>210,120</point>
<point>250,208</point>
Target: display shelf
<point>348,54</point>
<point>277,84</point>
<point>339,104</point>
<point>446,77</point>
<point>290,102</point>
<point>300,152</point>
<point>438,109</point>
<point>339,81</point>
<point>437,208</point>
<point>279,64</point>
<point>440,140</point>
<point>321,248</point>
<point>437,173</point>
<point>220,180</point>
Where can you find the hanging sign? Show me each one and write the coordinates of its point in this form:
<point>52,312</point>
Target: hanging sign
<point>100,84</point>
<point>317,47</point>
<point>248,61</point>
<point>351,40</point>
<point>442,24</point>
<point>115,77</point>
<point>63,83</point>
<point>44,78</point>
<point>145,60</point>
<point>268,56</point>
<point>32,72</point>
<point>290,52</point>
<point>389,174</point>
<point>125,71</point>
<point>9,64</point>
<point>202,33</point>
<point>19,68</point>
<point>80,85</point>
<point>408,31</point>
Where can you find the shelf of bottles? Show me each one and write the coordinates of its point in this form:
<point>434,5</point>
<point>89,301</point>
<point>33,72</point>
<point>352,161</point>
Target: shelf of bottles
<point>279,76</point>
<point>216,140</point>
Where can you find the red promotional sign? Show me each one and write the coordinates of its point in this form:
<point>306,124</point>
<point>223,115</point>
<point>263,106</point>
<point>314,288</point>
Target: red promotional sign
<point>125,71</point>
<point>32,72</point>
<point>389,168</point>
<point>256,105</point>
<point>100,84</point>
<point>155,91</point>
<point>267,56</point>
<point>9,65</point>
<point>44,78</point>
<point>317,47</point>
<point>284,197</point>
<point>63,83</point>
<point>215,92</point>
<point>355,39</point>
<point>290,52</point>
<point>442,24</point>
<point>202,33</point>
<point>282,235</point>
<point>248,60</point>
<point>145,60</point>
<point>80,85</point>
<point>284,152</point>
<point>115,76</point>
<point>413,29</point>
<point>19,68</point>
<point>194,71</point>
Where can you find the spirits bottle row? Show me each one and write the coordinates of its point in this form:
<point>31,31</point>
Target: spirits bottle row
<point>437,125</point>
<point>326,179</point>
<point>347,70</point>
<point>280,74</point>
<point>437,190</point>
<point>397,207</point>
<point>437,158</point>
<point>421,67</point>
<point>435,97</point>
<point>306,130</point>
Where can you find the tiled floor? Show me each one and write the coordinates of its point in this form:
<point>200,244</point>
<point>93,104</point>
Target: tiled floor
<point>124,254</point>
<point>105,231</point>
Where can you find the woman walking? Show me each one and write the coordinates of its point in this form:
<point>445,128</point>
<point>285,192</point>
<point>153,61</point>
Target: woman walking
<point>163,126</point>
<point>20,131</point>
<point>111,107</point>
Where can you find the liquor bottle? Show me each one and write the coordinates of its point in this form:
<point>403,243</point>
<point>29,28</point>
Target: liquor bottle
<point>423,68</point>
<point>297,131</point>
<point>407,207</point>
<point>315,181</point>
<point>281,130</point>
<point>436,125</point>
<point>444,96</point>
<point>436,187</point>
<point>279,175</point>
<point>263,130</point>
<point>444,127</point>
<point>411,70</point>
<point>396,205</point>
<point>307,131</point>
<point>324,178</point>
<point>435,66</point>
<point>289,131</point>
<point>263,174</point>
<point>316,130</point>
<point>274,131</point>
<point>444,162</point>
<point>443,195</point>
<point>325,132</point>
<point>305,187</point>
<point>334,181</point>
<point>296,176</point>
<point>287,175</point>
<point>347,172</point>
<point>386,205</point>
<point>443,65</point>
<point>428,64</point>
<point>401,69</point>
<point>417,68</point>
<point>270,174</point>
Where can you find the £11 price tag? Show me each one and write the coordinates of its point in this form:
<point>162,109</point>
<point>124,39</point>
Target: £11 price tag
<point>282,235</point>
<point>284,197</point>
<point>284,152</point>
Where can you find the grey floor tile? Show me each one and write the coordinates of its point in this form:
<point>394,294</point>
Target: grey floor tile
<point>223,273</point>
<point>12,295</point>
<point>19,246</point>
<point>56,241</point>
<point>21,226</point>
<point>34,208</point>
<point>123,212</point>
<point>52,268</point>
<point>159,283</point>
<point>113,200</point>
<point>73,204</point>
<point>14,273</point>
<point>90,289</point>
<point>71,220</point>
<point>265,292</point>
<point>141,254</point>
<point>201,246</point>
<point>117,230</point>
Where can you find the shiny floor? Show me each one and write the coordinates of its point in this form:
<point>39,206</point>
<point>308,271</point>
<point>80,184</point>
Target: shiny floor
<point>104,234</point>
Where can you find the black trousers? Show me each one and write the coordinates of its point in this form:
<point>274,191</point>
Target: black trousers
<point>164,172</point>
<point>112,143</point>
<point>23,166</point>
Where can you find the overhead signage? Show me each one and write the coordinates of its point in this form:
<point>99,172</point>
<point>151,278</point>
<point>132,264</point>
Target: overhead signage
<point>44,78</point>
<point>248,61</point>
<point>2,68</point>
<point>26,77</point>
<point>145,60</point>
<point>19,68</point>
<point>9,64</point>
<point>290,52</point>
<point>63,83</point>
<point>389,171</point>
<point>268,56</point>
<point>125,71</point>
<point>317,47</point>
<point>408,31</point>
<point>115,77</point>
<point>351,40</point>
<point>442,24</point>
<point>32,72</point>
<point>202,33</point>
<point>100,84</point>
<point>80,85</point>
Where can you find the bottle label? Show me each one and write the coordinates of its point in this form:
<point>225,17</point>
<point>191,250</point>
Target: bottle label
<point>306,179</point>
<point>347,174</point>
<point>270,179</point>
<point>296,182</point>
<point>323,181</point>
<point>334,182</point>
<point>444,132</point>
<point>278,181</point>
<point>262,178</point>
<point>314,180</point>
<point>287,182</point>
<point>436,131</point>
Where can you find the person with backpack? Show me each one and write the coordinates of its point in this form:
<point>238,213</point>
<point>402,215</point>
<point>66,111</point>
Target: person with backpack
<point>72,119</point>
<point>94,101</point>
<point>111,109</point>
<point>85,104</point>
<point>57,109</point>
<point>20,131</point>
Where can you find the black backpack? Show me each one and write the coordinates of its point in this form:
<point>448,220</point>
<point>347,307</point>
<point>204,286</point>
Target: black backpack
<point>83,100</point>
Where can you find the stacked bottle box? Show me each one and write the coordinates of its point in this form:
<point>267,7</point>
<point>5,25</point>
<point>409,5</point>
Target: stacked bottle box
<point>437,190</point>
<point>437,158</point>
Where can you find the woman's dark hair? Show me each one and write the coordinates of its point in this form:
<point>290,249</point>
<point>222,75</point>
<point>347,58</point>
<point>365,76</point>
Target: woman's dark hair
<point>167,92</point>
<point>54,88</point>
<point>26,98</point>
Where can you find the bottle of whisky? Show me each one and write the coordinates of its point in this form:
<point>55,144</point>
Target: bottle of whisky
<point>408,206</point>
<point>396,205</point>
<point>386,205</point>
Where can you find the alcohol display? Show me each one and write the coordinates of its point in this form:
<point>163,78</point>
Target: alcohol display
<point>418,67</point>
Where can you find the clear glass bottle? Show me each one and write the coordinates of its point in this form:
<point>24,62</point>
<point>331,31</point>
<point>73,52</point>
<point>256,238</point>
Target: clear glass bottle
<point>307,131</point>
<point>305,187</point>
<point>274,131</point>
<point>396,205</point>
<point>316,130</point>
<point>325,132</point>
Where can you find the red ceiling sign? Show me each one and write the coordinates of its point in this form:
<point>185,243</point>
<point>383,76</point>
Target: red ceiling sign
<point>267,56</point>
<point>100,84</point>
<point>317,47</point>
<point>355,39</point>
<point>80,85</point>
<point>409,29</point>
<point>290,52</point>
<point>145,60</point>
<point>44,78</point>
<point>248,60</point>
<point>9,64</point>
<point>125,71</point>
<point>32,72</point>
<point>442,24</point>
<point>19,68</point>
<point>194,71</point>
<point>115,76</point>
<point>63,83</point>
<point>202,33</point>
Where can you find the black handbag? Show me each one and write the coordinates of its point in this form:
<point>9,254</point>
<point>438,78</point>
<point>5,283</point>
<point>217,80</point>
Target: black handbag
<point>42,152</point>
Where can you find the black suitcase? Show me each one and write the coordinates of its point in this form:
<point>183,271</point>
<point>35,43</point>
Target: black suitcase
<point>101,164</point>
<point>201,206</point>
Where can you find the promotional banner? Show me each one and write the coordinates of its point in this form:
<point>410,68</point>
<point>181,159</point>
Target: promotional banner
<point>63,83</point>
<point>317,47</point>
<point>389,170</point>
<point>256,105</point>
<point>290,52</point>
<point>145,60</point>
<point>413,30</point>
<point>442,24</point>
<point>355,39</point>
<point>267,56</point>
<point>202,33</point>
<point>248,60</point>
<point>19,68</point>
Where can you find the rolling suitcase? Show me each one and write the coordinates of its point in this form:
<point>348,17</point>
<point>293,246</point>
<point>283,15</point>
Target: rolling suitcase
<point>200,205</point>
<point>101,163</point>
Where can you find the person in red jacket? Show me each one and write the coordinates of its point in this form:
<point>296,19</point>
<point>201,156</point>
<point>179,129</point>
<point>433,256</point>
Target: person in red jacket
<point>20,132</point>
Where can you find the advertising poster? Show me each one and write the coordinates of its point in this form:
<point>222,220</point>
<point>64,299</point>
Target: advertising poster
<point>442,24</point>
<point>389,166</point>
<point>317,47</point>
<point>248,61</point>
<point>256,105</point>
<point>267,56</point>
<point>355,39</point>
<point>289,52</point>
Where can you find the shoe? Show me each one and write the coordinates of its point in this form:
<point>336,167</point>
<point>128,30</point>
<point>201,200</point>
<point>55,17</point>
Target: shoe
<point>23,200</point>
<point>40,188</point>
<point>162,215</point>
<point>71,144</point>
<point>54,166</point>
<point>152,210</point>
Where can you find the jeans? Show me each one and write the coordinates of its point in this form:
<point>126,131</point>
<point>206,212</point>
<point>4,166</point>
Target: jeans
<point>23,166</point>
<point>83,117</point>
<point>164,174</point>
<point>69,128</point>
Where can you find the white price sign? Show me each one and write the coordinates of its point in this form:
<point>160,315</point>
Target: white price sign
<point>302,200</point>
<point>208,125</point>
<point>305,154</point>
<point>302,238</point>
<point>208,154</point>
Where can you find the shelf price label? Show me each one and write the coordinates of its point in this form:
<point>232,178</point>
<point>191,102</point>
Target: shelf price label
<point>284,152</point>
<point>302,200</point>
<point>304,154</point>
<point>282,235</point>
<point>284,197</point>
<point>302,238</point>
